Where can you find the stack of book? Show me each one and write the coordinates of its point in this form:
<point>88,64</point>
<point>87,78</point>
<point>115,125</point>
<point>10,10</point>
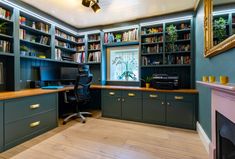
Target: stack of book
<point>94,46</point>
<point>81,48</point>
<point>131,35</point>
<point>94,57</point>
<point>58,54</point>
<point>5,46</point>
<point>79,57</point>
<point>6,14</point>
<point>32,38</point>
<point>42,26</point>
<point>64,45</point>
<point>65,36</point>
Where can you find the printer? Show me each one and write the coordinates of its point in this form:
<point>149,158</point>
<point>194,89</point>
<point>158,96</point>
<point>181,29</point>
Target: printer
<point>165,81</point>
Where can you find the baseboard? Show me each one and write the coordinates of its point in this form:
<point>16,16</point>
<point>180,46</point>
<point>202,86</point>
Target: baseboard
<point>205,140</point>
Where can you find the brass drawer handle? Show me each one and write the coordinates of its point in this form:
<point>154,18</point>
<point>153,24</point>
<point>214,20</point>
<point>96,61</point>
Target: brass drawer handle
<point>34,106</point>
<point>153,96</point>
<point>34,124</point>
<point>112,93</point>
<point>179,97</point>
<point>131,94</point>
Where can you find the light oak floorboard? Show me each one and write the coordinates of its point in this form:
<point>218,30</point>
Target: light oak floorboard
<point>102,138</point>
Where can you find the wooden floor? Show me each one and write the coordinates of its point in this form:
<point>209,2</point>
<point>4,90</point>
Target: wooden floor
<point>111,139</point>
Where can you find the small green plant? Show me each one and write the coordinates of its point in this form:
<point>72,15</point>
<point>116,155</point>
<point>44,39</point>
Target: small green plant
<point>148,79</point>
<point>24,48</point>
<point>220,29</point>
<point>3,27</point>
<point>118,37</point>
<point>172,35</point>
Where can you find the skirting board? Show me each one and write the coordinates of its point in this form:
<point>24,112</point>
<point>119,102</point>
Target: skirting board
<point>205,140</point>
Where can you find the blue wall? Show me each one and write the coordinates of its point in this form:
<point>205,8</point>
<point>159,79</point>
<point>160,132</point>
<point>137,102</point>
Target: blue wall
<point>223,64</point>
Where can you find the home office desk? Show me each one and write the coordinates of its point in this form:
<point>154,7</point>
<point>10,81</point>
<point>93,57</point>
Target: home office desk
<point>27,113</point>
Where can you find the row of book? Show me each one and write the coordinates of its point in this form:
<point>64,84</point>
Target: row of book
<point>147,61</point>
<point>94,46</point>
<point>33,38</point>
<point>5,46</point>
<point>4,13</point>
<point>94,57</point>
<point>33,24</point>
<point>94,37</point>
<point>65,36</point>
<point>64,44</point>
<point>153,39</point>
<point>131,35</point>
<point>77,57</point>
<point>171,59</point>
<point>152,49</point>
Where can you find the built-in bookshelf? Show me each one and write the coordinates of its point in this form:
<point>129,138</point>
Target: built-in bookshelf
<point>160,53</point>
<point>35,37</point>
<point>94,48</point>
<point>69,47</point>
<point>6,30</point>
<point>121,36</point>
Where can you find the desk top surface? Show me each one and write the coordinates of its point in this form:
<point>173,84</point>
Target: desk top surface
<point>39,91</point>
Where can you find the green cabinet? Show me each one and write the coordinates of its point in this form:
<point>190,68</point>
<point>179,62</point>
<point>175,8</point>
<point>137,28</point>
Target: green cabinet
<point>132,105</point>
<point>122,104</point>
<point>1,126</point>
<point>111,103</point>
<point>154,107</point>
<point>27,117</point>
<point>181,110</point>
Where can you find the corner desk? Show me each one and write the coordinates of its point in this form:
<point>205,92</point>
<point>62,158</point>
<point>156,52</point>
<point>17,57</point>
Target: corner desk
<point>28,113</point>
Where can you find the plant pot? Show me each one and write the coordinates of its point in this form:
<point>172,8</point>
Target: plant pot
<point>147,85</point>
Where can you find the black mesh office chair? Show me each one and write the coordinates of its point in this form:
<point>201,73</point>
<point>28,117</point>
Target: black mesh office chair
<point>79,97</point>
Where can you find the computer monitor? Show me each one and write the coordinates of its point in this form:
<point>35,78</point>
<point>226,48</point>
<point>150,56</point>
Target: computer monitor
<point>48,74</point>
<point>68,73</point>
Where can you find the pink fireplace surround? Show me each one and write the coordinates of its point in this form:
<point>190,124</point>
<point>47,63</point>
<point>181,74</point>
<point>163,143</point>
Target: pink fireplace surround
<point>222,101</point>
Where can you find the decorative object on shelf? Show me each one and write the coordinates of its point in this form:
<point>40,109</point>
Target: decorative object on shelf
<point>147,81</point>
<point>172,35</point>
<point>220,29</point>
<point>23,50</point>
<point>205,78</point>
<point>93,4</point>
<point>3,28</point>
<point>4,13</point>
<point>118,37</point>
<point>224,79</point>
<point>5,46</point>
<point>212,79</point>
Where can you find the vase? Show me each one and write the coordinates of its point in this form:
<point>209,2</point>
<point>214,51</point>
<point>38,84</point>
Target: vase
<point>147,85</point>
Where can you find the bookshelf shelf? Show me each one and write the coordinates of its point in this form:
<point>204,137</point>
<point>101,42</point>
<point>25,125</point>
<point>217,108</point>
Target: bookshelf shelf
<point>168,65</point>
<point>151,34</point>
<point>152,43</point>
<point>36,31</point>
<point>36,58</point>
<point>181,40</point>
<point>121,43</point>
<point>151,54</point>
<point>5,20</point>
<point>4,36</point>
<point>184,30</point>
<point>7,54</point>
<point>94,63</point>
<point>178,52</point>
<point>94,41</point>
<point>66,49</point>
<point>35,43</point>
<point>66,40</point>
<point>93,50</point>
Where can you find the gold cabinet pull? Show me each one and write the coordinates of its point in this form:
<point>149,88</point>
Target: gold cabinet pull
<point>34,124</point>
<point>131,94</point>
<point>153,96</point>
<point>34,106</point>
<point>112,93</point>
<point>179,97</point>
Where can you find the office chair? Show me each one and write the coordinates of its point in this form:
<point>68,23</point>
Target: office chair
<point>79,97</point>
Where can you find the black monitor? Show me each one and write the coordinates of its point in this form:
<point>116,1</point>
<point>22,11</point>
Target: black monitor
<point>68,73</point>
<point>48,74</point>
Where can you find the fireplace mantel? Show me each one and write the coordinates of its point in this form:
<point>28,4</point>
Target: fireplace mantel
<point>222,101</point>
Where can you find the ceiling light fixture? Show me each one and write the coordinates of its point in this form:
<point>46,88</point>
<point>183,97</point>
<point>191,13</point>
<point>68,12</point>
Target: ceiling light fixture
<point>93,4</point>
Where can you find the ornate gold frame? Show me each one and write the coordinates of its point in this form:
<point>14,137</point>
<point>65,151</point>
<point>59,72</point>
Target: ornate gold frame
<point>211,50</point>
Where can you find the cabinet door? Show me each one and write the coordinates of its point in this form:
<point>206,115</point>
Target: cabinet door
<point>111,103</point>
<point>1,126</point>
<point>132,105</point>
<point>181,111</point>
<point>154,108</point>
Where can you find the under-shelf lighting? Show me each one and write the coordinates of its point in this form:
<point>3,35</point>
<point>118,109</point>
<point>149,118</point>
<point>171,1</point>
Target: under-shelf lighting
<point>224,12</point>
<point>121,28</point>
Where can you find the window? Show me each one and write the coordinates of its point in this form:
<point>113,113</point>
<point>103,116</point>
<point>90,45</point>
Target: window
<point>123,64</point>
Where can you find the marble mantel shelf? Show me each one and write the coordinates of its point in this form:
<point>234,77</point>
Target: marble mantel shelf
<point>227,87</point>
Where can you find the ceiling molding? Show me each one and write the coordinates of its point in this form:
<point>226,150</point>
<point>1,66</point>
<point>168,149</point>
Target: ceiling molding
<point>196,3</point>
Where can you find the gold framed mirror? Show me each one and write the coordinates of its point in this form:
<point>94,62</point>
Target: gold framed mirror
<point>211,49</point>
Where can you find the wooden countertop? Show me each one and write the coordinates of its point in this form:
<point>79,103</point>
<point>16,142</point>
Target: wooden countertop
<point>39,91</point>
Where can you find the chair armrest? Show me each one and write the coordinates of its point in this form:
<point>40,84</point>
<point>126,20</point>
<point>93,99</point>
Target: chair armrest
<point>65,97</point>
<point>85,84</point>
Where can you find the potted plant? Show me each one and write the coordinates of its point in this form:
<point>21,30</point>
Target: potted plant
<point>118,37</point>
<point>172,35</point>
<point>220,29</point>
<point>3,28</point>
<point>147,82</point>
<point>23,50</point>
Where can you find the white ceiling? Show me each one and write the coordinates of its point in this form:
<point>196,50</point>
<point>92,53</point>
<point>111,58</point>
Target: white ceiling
<point>112,11</point>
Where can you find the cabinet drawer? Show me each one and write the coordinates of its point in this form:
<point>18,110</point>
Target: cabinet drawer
<point>131,94</point>
<point>154,95</point>
<point>24,107</point>
<point>19,131</point>
<point>180,97</point>
<point>1,126</point>
<point>112,93</point>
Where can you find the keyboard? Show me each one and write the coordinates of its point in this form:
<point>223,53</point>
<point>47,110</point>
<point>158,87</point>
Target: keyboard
<point>52,87</point>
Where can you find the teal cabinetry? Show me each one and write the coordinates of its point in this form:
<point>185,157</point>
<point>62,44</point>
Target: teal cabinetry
<point>1,126</point>
<point>154,107</point>
<point>181,110</point>
<point>28,117</point>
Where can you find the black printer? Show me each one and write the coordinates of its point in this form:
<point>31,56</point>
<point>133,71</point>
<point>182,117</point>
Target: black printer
<point>164,81</point>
